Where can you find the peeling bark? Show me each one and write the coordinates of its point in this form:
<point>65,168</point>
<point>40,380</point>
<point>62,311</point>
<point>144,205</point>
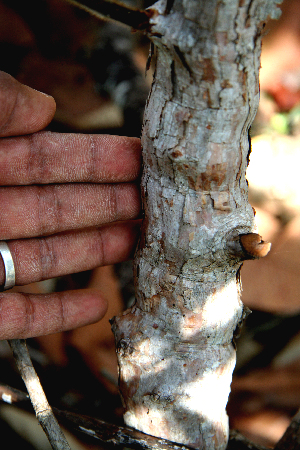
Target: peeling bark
<point>175,346</point>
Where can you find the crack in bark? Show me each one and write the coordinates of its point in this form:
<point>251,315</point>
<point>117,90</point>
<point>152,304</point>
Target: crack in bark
<point>169,6</point>
<point>183,60</point>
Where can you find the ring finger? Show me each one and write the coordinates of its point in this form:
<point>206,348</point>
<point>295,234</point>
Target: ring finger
<point>57,255</point>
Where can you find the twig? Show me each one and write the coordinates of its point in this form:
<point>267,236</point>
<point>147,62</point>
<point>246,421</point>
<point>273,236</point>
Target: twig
<point>291,438</point>
<point>11,395</point>
<point>38,398</point>
<point>105,9</point>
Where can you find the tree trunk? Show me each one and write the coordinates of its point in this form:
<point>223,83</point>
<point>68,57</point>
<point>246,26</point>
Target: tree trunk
<point>175,345</point>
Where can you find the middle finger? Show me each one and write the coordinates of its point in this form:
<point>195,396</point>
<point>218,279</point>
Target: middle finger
<point>46,157</point>
<point>41,210</point>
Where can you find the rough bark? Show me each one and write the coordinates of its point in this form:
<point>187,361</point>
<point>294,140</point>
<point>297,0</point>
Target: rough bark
<point>175,346</point>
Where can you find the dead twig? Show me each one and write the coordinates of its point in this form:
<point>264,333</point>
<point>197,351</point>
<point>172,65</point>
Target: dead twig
<point>11,395</point>
<point>105,9</point>
<point>37,396</point>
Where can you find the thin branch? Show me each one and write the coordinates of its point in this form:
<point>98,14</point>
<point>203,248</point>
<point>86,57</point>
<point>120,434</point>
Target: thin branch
<point>291,438</point>
<point>105,9</point>
<point>37,395</point>
<point>11,395</point>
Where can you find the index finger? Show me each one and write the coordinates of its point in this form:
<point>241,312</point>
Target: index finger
<point>47,157</point>
<point>23,110</point>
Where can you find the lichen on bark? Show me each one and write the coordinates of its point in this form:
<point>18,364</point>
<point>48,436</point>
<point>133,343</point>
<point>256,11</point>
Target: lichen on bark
<point>175,345</point>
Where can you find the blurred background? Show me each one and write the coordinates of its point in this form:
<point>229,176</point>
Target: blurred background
<point>95,70</point>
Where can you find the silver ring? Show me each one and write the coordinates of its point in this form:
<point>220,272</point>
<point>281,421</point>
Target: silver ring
<point>10,274</point>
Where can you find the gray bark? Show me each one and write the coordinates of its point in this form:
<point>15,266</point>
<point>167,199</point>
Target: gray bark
<point>175,345</point>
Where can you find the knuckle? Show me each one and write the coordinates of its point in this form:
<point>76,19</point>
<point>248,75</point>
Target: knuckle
<point>36,159</point>
<point>100,247</point>
<point>112,203</point>
<point>47,258</point>
<point>8,101</point>
<point>61,313</point>
<point>17,315</point>
<point>5,225</point>
<point>29,313</point>
<point>91,169</point>
<point>48,209</point>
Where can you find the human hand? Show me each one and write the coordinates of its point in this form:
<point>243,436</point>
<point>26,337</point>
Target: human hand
<point>68,203</point>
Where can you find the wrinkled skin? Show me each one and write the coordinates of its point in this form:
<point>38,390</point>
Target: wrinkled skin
<point>68,203</point>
